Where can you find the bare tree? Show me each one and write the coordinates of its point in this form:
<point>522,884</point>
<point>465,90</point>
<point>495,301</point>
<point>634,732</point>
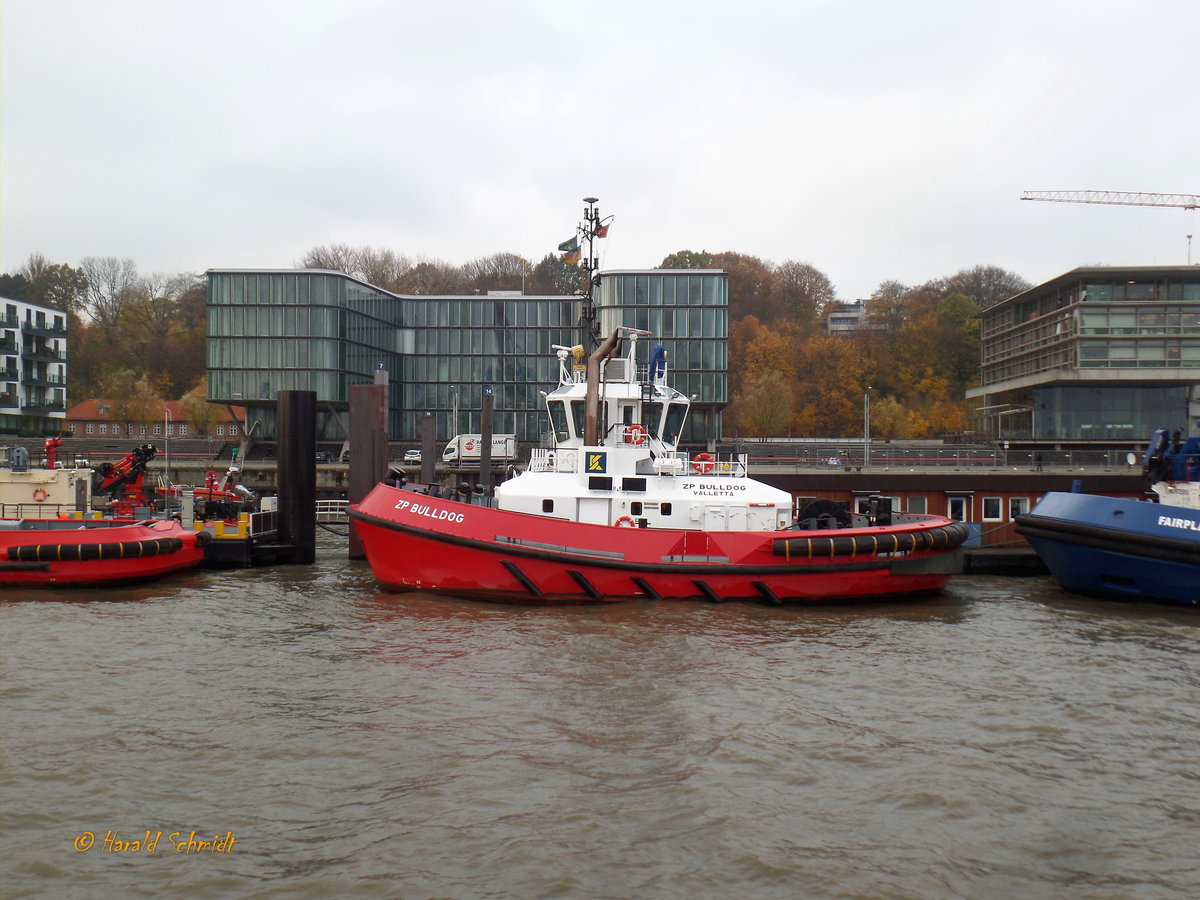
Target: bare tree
<point>111,284</point>
<point>498,272</point>
<point>337,257</point>
<point>382,268</point>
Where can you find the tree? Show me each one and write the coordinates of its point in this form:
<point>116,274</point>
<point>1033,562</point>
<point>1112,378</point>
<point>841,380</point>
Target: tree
<point>498,272</point>
<point>382,268</point>
<point>111,284</point>
<point>750,283</point>
<point>763,405</point>
<point>200,412</point>
<point>986,285</point>
<point>14,287</point>
<point>554,277</point>
<point>433,277</point>
<point>163,330</point>
<point>335,257</point>
<point>687,259</point>
<point>832,379</point>
<point>801,292</point>
<point>886,305</point>
<point>126,395</point>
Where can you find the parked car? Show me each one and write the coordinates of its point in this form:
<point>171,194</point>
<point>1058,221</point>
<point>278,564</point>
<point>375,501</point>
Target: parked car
<point>412,456</point>
<point>323,456</point>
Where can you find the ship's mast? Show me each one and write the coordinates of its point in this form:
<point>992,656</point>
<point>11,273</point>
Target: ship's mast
<point>590,229</point>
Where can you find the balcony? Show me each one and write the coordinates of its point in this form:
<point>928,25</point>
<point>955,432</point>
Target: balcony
<point>41,378</point>
<point>33,406</point>
<point>41,351</point>
<point>47,329</point>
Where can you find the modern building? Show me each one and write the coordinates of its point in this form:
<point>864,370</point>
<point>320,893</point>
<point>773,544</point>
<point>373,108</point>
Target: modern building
<point>324,331</point>
<point>33,398</point>
<point>848,318</point>
<point>1097,356</point>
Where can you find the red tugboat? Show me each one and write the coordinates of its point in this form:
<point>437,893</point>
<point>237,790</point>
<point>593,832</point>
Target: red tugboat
<point>41,545</point>
<point>94,553</point>
<point>615,511</point>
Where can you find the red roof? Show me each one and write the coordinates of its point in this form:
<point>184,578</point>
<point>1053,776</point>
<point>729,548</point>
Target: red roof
<point>89,411</point>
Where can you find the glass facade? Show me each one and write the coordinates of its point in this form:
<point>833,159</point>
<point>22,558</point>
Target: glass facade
<point>687,311</point>
<point>1097,354</point>
<point>325,331</point>
<point>1107,413</point>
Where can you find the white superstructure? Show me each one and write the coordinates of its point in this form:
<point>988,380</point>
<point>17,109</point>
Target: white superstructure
<point>615,458</point>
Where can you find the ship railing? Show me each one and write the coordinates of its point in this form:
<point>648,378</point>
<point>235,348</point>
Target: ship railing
<point>728,465</point>
<point>556,459</point>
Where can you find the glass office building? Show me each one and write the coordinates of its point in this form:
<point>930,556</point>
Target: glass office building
<point>687,311</point>
<point>1099,354</point>
<point>310,329</point>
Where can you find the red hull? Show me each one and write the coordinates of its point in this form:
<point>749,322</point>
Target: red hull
<point>419,543</point>
<point>75,554</point>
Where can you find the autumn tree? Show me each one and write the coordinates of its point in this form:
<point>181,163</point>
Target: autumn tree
<point>750,283</point>
<point>163,331</point>
<point>885,306</point>
<point>832,377</point>
<point>202,414</point>
<point>687,259</point>
<point>54,284</point>
<point>801,292</point>
<point>131,399</point>
<point>986,285</point>
<point>762,406</point>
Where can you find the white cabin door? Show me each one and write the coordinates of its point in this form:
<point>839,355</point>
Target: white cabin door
<point>594,510</point>
<point>735,518</point>
<point>714,518</point>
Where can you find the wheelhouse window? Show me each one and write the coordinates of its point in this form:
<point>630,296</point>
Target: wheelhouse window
<point>992,509</point>
<point>558,419</point>
<point>676,413</point>
<point>1017,506</point>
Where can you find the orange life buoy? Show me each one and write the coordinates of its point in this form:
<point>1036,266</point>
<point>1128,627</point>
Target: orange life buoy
<point>702,463</point>
<point>635,434</point>
<point>625,520</point>
<point>40,495</point>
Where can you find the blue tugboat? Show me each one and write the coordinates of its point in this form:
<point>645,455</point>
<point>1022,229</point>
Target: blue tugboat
<point>1128,549</point>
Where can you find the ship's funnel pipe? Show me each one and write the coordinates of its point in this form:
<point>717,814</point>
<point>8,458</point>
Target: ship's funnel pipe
<point>591,404</point>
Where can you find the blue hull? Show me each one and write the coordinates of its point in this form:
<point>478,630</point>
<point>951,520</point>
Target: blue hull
<point>1121,549</point>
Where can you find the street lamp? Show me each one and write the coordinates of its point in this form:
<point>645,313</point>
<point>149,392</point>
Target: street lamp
<point>867,426</point>
<point>167,420</point>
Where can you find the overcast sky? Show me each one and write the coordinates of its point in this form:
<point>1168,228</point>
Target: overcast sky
<point>874,140</point>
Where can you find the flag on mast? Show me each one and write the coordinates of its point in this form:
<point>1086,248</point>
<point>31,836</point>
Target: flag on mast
<point>569,246</point>
<point>602,231</point>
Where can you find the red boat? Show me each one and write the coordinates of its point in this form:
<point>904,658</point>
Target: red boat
<point>614,511</point>
<point>79,553</point>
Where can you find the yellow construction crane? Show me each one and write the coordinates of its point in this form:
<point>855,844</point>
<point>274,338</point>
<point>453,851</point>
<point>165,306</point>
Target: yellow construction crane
<point>1116,198</point>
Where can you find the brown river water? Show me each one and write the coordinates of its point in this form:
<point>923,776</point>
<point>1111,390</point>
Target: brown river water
<point>324,739</point>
